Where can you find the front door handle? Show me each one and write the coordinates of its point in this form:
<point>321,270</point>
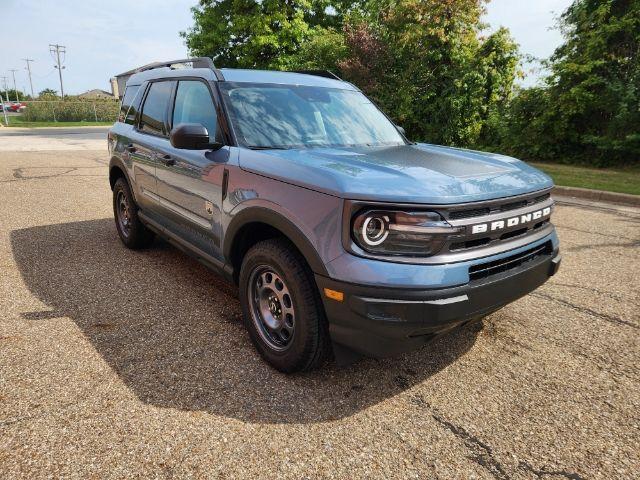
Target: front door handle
<point>130,148</point>
<point>167,159</point>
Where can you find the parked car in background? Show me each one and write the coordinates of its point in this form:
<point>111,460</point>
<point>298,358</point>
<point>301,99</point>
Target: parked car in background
<point>17,107</point>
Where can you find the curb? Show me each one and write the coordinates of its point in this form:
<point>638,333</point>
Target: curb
<point>599,195</point>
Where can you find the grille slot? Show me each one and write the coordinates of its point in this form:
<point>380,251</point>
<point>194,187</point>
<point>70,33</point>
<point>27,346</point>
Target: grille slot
<point>478,212</point>
<point>513,205</point>
<point>479,242</point>
<point>541,198</point>
<point>514,233</point>
<point>484,270</point>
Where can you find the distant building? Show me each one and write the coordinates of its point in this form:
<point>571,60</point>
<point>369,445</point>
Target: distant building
<point>115,88</point>
<point>119,82</point>
<point>96,93</point>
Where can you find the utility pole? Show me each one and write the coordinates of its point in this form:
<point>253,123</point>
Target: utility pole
<point>29,70</point>
<point>15,89</point>
<point>57,50</point>
<point>4,108</point>
<point>6,89</point>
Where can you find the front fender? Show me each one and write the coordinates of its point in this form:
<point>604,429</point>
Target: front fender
<point>274,215</point>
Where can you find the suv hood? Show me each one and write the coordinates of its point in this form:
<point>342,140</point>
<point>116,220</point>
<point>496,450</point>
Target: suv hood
<point>417,173</point>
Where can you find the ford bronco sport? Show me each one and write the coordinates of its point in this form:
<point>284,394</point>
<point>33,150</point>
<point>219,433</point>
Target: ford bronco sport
<point>343,236</point>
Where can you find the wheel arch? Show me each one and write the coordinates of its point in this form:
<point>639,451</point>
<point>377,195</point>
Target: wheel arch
<point>257,223</point>
<point>117,169</point>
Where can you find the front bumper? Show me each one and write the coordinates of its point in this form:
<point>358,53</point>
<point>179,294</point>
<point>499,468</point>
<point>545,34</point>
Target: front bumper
<point>382,321</point>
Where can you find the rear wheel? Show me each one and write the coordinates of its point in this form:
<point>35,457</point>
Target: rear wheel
<point>281,307</point>
<point>131,230</point>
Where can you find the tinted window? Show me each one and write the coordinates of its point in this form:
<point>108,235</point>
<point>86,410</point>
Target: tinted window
<point>154,110</point>
<point>127,107</point>
<point>195,105</point>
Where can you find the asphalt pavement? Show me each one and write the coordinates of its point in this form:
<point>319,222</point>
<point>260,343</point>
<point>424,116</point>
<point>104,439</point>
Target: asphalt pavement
<point>121,364</point>
<point>14,139</point>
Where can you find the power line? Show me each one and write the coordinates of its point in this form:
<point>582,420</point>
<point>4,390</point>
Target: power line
<point>29,70</point>
<point>15,88</point>
<point>57,50</point>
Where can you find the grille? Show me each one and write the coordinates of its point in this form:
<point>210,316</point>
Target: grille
<point>480,242</point>
<point>504,207</point>
<point>484,270</point>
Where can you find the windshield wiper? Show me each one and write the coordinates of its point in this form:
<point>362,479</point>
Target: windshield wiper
<point>272,147</point>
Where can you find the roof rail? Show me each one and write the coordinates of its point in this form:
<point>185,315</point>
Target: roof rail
<point>319,73</point>
<point>196,62</point>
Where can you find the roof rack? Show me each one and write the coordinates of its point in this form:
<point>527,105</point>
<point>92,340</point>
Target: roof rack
<point>196,62</point>
<point>319,73</point>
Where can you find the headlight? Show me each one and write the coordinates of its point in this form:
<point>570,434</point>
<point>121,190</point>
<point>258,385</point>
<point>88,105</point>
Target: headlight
<point>401,233</point>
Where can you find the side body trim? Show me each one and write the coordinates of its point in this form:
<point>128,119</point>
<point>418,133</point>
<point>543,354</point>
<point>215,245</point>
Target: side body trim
<point>178,210</point>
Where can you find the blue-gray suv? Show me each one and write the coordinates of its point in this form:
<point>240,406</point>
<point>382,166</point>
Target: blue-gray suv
<point>343,237</point>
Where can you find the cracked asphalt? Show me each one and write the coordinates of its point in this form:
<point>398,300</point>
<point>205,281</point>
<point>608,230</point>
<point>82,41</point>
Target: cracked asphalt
<point>120,364</point>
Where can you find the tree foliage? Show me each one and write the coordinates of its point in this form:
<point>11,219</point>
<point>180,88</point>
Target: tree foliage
<point>48,94</point>
<point>427,64</point>
<point>11,95</point>
<point>259,33</point>
<point>431,67</point>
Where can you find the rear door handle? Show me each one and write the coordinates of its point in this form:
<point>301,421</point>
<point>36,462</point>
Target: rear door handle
<point>130,148</point>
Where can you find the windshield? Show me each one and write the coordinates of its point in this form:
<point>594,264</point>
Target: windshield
<point>295,116</point>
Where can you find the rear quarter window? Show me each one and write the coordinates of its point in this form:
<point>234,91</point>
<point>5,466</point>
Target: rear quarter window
<point>128,109</point>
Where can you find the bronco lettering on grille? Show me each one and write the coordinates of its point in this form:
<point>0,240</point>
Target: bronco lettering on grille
<point>511,222</point>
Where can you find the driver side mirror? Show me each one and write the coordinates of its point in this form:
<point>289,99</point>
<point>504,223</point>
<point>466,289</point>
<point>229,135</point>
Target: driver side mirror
<point>192,136</point>
<point>401,130</point>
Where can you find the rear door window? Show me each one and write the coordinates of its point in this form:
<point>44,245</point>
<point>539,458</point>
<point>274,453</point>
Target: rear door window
<point>154,111</point>
<point>194,105</point>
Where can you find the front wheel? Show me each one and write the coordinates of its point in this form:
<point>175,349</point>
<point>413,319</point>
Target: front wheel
<point>281,307</point>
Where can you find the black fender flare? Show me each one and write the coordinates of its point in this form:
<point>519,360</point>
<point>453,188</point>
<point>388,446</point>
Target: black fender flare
<point>276,220</point>
<point>117,162</point>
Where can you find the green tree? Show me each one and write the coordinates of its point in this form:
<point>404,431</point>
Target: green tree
<point>12,94</point>
<point>259,33</point>
<point>426,63</point>
<point>589,110</point>
<point>48,94</point>
<point>324,49</point>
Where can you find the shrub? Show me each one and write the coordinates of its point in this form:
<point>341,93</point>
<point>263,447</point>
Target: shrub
<point>72,111</point>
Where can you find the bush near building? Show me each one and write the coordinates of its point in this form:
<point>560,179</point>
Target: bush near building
<point>72,110</point>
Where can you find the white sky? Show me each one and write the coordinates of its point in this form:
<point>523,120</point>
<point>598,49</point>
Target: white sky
<point>108,37</point>
<point>532,24</point>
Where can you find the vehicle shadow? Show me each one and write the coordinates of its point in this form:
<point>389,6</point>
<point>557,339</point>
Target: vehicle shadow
<point>172,331</point>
